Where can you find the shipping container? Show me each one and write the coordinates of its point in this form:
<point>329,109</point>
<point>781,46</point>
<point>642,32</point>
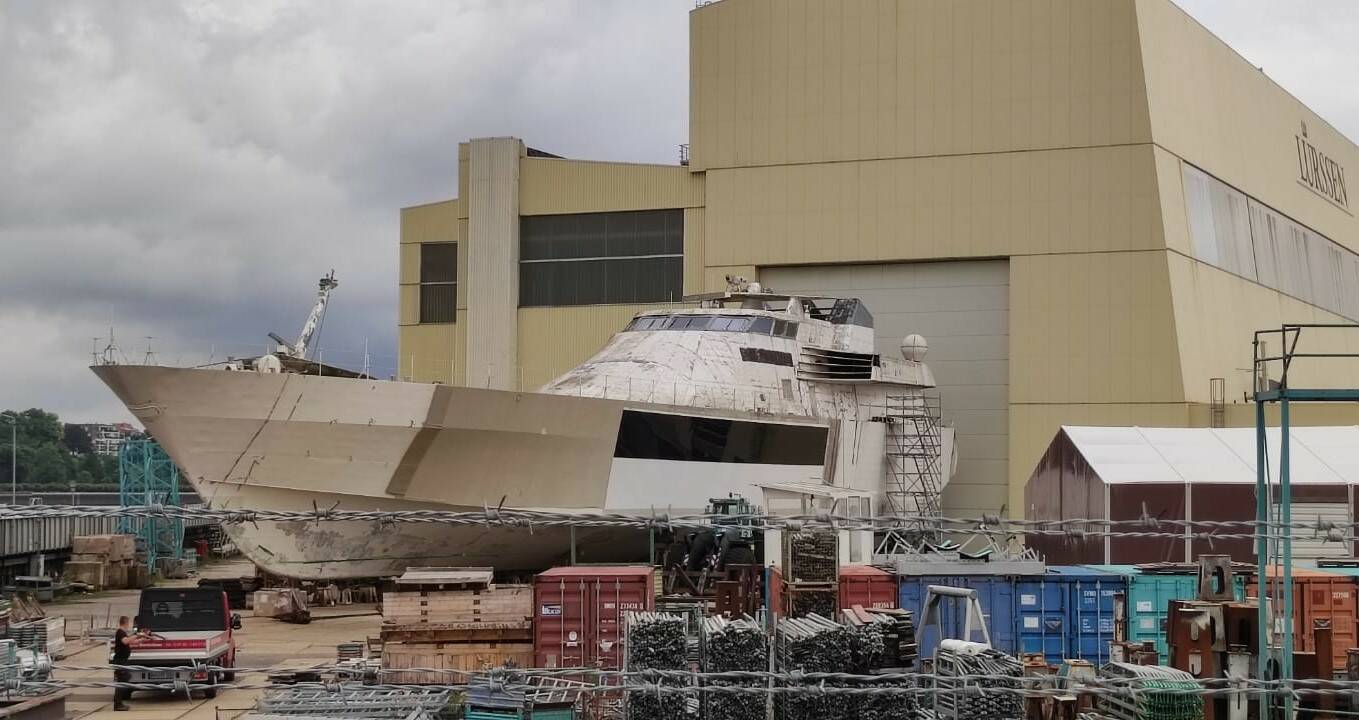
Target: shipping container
<point>1147,602</point>
<point>1320,595</point>
<point>867,586</point>
<point>1068,612</point>
<point>995,592</point>
<point>578,613</point>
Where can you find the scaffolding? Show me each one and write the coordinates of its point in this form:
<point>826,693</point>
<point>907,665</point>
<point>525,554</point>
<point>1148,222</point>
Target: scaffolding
<point>914,445</point>
<point>147,476</point>
<point>1274,522</point>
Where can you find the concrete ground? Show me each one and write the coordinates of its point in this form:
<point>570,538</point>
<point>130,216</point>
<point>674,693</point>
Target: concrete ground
<point>261,641</point>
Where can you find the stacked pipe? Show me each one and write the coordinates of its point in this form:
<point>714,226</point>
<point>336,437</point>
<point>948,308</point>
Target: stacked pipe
<point>956,665</point>
<point>1161,693</point>
<point>813,644</point>
<point>656,641</point>
<point>868,655</point>
<point>729,646</point>
<point>899,648</point>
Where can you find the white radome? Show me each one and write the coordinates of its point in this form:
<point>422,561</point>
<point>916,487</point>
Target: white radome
<point>914,347</point>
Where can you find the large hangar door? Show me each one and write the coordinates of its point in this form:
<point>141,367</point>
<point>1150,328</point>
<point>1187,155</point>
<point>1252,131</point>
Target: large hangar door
<point>963,310</point>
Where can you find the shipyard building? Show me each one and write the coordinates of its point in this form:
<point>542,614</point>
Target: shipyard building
<point>1087,208</point>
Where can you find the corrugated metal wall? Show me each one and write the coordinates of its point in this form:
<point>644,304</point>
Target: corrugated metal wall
<point>553,187</point>
<point>803,82</point>
<point>21,536</point>
<point>1100,199</point>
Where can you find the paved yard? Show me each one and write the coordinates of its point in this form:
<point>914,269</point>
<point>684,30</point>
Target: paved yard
<point>262,641</point>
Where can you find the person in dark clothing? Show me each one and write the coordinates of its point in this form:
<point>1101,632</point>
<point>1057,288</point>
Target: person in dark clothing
<point>123,642</point>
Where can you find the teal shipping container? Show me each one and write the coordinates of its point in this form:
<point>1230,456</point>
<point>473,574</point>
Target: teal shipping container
<point>1147,603</point>
<point>1068,612</point>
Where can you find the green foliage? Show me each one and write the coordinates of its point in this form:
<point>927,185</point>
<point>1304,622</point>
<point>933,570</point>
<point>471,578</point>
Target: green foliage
<point>51,455</point>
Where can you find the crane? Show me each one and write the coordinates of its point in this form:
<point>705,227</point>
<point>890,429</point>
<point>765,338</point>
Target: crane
<point>318,311</point>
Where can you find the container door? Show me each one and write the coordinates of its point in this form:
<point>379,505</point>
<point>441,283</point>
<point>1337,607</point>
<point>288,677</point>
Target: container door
<point>998,606</point>
<point>1146,611</point>
<point>560,624</point>
<point>1092,622</point>
<point>1331,599</point>
<point>910,593</point>
<point>1042,617</point>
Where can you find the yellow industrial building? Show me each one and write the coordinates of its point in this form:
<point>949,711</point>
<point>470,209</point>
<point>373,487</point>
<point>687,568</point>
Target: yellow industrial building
<point>1087,208</point>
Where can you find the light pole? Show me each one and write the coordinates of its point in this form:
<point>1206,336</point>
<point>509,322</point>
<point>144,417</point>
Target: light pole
<point>13,456</point>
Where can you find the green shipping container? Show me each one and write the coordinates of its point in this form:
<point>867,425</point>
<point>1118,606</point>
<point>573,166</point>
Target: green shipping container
<point>1148,601</point>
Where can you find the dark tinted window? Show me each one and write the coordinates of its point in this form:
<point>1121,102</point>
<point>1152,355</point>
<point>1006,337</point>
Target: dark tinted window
<point>438,282</point>
<point>601,258</point>
<point>439,262</point>
<point>655,436</point>
<point>171,610</point>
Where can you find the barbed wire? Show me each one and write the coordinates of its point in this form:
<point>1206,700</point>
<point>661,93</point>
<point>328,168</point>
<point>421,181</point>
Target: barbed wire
<point>630,679</point>
<point>1146,526</point>
<point>651,682</point>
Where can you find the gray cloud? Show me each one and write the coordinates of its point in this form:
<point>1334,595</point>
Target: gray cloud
<point>187,170</point>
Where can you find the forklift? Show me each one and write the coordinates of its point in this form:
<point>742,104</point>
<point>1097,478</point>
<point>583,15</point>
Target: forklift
<point>694,562</point>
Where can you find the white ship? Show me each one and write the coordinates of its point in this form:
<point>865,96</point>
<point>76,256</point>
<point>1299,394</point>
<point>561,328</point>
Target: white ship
<point>750,392</point>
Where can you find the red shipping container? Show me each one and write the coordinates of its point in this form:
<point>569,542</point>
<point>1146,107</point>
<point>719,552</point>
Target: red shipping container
<point>578,614</point>
<point>867,586</point>
<point>1320,595</point>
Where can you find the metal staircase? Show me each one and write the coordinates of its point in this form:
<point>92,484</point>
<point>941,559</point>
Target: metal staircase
<point>914,444</point>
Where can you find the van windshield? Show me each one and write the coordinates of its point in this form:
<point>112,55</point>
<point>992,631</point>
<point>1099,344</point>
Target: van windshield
<point>181,610</point>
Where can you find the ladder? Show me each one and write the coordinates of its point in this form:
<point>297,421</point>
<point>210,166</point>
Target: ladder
<point>914,443</point>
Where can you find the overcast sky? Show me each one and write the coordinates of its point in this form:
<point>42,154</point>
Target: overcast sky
<point>186,171</point>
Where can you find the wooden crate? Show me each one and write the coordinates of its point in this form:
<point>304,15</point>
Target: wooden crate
<point>468,657</point>
<point>496,603</point>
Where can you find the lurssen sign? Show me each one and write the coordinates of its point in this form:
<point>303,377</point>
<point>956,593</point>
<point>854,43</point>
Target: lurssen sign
<point>1320,173</point>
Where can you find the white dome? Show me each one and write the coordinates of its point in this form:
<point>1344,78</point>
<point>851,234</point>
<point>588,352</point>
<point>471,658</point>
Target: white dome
<point>914,347</point>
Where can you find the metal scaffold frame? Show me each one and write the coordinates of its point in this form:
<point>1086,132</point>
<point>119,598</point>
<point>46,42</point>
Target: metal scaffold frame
<point>914,444</point>
<point>1275,542</point>
<point>147,476</point>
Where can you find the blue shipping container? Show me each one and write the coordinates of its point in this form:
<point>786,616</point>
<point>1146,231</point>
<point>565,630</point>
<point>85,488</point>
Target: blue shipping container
<point>1067,613</point>
<point>996,594</point>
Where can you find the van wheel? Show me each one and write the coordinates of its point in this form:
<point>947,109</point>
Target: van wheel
<point>228,677</point>
<point>210,693</point>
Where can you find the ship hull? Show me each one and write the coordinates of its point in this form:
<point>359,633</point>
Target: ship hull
<point>296,442</point>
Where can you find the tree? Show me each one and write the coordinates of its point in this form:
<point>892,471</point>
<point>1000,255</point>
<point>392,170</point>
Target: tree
<point>53,455</point>
<point>76,439</point>
<point>48,466</point>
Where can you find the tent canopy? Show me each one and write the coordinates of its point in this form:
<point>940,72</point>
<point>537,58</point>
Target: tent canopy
<point>1120,455</point>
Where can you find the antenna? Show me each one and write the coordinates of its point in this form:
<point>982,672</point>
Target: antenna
<point>150,357</point>
<point>109,355</point>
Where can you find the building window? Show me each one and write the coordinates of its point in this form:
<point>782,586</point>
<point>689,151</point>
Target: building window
<point>439,282</point>
<point>601,258</point>
<point>1237,233</point>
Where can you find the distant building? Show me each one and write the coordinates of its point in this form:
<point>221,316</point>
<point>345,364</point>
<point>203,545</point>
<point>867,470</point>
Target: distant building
<point>105,438</point>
